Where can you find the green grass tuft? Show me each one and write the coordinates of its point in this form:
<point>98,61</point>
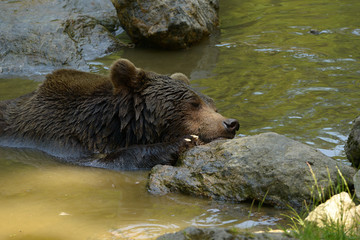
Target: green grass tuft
<point>304,230</point>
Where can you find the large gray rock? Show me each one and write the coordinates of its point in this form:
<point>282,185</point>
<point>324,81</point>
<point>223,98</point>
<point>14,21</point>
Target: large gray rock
<point>194,233</point>
<point>266,167</point>
<point>166,23</point>
<point>39,36</point>
<point>352,146</point>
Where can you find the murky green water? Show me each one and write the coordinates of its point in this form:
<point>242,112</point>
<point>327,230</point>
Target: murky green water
<point>43,199</point>
<point>263,68</point>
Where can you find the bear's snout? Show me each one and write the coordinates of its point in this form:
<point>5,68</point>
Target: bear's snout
<point>231,125</point>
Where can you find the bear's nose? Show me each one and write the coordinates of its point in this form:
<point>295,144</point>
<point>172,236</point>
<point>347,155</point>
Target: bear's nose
<point>231,125</point>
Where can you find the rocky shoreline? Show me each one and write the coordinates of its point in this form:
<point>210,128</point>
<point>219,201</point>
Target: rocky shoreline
<point>67,34</point>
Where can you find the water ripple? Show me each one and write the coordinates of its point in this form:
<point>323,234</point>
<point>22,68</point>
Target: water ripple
<point>356,32</point>
<point>143,231</point>
<point>262,221</point>
<point>212,217</point>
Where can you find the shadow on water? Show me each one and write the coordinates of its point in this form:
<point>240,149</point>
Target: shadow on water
<point>196,62</point>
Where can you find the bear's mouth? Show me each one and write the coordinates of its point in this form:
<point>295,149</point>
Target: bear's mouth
<point>210,139</point>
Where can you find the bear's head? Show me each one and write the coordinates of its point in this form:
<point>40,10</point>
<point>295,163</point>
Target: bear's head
<point>166,107</point>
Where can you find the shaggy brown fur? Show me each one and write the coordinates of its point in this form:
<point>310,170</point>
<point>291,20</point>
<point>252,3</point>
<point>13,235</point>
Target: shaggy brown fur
<point>133,118</point>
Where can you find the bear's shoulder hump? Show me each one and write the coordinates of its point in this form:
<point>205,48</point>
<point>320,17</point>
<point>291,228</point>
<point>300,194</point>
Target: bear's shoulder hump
<point>75,82</point>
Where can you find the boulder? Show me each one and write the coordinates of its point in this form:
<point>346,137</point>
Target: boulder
<point>357,184</point>
<point>339,210</point>
<point>167,24</point>
<point>194,233</point>
<point>40,36</point>
<point>352,146</point>
<point>268,167</point>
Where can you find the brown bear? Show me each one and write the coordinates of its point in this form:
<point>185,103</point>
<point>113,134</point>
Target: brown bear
<point>129,120</point>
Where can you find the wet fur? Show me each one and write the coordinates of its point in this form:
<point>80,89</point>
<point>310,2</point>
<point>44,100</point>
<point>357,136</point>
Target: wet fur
<point>135,118</point>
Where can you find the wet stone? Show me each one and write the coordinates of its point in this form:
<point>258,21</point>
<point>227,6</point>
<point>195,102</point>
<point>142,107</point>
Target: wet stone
<point>195,233</point>
<point>167,24</point>
<point>65,35</point>
<point>268,167</point>
<point>352,146</point>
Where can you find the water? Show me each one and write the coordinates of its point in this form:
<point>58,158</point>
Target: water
<point>291,67</point>
<point>43,199</point>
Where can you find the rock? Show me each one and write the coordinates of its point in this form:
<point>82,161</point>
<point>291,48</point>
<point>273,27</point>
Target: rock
<point>194,233</point>
<point>267,167</point>
<point>167,24</point>
<point>41,36</point>
<point>93,39</point>
<point>338,210</point>
<point>357,184</point>
<point>352,146</point>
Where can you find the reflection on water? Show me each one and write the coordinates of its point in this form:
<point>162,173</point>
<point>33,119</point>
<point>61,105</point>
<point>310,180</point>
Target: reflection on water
<point>291,67</point>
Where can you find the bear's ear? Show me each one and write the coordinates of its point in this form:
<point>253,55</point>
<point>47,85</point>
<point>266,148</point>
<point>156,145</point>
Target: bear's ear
<point>123,73</point>
<point>181,77</point>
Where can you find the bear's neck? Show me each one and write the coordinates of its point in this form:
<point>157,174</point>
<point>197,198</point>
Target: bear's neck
<point>120,121</point>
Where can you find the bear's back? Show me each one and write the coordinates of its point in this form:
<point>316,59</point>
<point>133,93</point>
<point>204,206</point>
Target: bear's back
<point>73,82</point>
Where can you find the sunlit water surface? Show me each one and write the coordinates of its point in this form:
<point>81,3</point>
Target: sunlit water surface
<point>291,67</point>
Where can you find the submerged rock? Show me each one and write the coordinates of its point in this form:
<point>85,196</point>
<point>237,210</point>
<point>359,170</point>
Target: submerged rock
<point>40,36</point>
<point>352,146</point>
<point>339,210</point>
<point>167,24</point>
<point>194,233</point>
<point>267,167</point>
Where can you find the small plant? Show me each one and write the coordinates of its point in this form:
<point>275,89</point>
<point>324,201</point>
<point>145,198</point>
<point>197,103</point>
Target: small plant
<point>330,230</point>
<point>259,205</point>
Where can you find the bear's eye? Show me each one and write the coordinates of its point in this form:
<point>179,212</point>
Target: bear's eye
<point>195,104</point>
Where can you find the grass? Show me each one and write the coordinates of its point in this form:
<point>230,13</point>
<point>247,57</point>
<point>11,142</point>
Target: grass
<point>259,204</point>
<point>329,232</point>
<point>305,230</point>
